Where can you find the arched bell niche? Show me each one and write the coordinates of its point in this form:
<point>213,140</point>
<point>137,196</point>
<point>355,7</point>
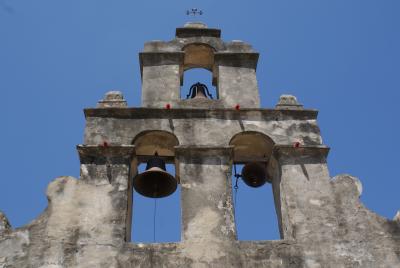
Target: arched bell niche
<point>193,76</point>
<point>155,219</point>
<point>256,207</point>
<point>198,66</point>
<point>249,146</point>
<point>151,141</point>
<point>198,55</point>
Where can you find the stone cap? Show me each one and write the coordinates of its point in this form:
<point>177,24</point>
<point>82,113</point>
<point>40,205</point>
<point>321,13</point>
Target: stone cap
<point>195,24</point>
<point>112,99</point>
<point>193,29</point>
<point>288,102</point>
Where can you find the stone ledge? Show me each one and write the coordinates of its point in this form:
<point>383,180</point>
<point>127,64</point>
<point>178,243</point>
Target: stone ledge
<point>159,59</point>
<point>194,32</point>
<point>98,154</point>
<point>200,103</point>
<point>283,150</point>
<point>250,244</point>
<point>112,103</point>
<point>228,114</point>
<point>235,59</point>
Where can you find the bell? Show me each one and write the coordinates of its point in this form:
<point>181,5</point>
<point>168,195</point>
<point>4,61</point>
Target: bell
<point>199,90</point>
<point>155,182</point>
<point>254,174</point>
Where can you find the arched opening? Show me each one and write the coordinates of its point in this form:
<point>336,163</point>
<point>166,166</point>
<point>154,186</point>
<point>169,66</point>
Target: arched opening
<point>155,220</point>
<point>198,55</point>
<point>251,146</point>
<point>254,207</point>
<point>148,142</point>
<point>198,66</point>
<point>193,76</point>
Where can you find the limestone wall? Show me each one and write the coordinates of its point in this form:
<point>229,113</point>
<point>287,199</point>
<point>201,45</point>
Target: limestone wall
<point>87,221</point>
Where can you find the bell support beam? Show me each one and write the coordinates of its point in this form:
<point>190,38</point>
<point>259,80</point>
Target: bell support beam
<point>208,227</point>
<point>301,185</point>
<point>109,168</point>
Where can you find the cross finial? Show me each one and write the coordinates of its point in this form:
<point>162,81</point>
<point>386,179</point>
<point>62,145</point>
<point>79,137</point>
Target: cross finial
<point>194,12</point>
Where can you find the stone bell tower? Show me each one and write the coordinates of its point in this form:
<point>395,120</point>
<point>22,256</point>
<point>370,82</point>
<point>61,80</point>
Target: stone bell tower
<point>88,220</point>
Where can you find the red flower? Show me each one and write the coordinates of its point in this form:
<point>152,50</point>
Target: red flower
<point>296,144</point>
<point>168,106</point>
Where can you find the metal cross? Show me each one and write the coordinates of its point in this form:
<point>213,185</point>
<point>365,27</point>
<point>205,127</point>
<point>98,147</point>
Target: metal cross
<point>194,12</point>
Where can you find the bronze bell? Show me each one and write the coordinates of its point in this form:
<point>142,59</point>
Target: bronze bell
<point>198,90</point>
<point>155,182</point>
<point>254,174</point>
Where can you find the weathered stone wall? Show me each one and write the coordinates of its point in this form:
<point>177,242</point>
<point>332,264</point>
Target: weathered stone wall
<point>86,224</point>
<point>201,126</point>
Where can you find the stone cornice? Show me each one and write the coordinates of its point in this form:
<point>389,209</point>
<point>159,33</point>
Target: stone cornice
<point>237,59</point>
<point>160,58</point>
<point>99,154</point>
<point>194,32</point>
<point>290,151</point>
<point>228,114</point>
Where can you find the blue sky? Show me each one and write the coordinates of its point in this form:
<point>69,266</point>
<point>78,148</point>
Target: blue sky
<point>57,57</point>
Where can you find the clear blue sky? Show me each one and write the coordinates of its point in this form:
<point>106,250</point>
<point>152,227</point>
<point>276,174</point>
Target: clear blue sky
<point>57,57</point>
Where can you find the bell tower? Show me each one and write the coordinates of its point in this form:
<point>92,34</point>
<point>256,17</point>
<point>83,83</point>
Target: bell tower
<point>204,136</point>
<point>321,220</point>
<point>232,64</point>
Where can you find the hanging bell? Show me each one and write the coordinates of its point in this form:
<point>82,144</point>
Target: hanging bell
<point>155,182</point>
<point>254,174</point>
<point>199,90</point>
